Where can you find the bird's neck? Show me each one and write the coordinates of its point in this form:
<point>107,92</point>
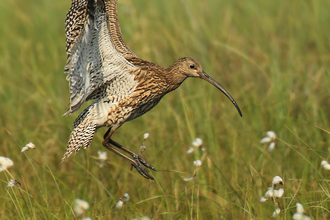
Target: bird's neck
<point>174,77</point>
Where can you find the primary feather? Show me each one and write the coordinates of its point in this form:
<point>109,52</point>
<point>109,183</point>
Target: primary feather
<point>93,59</point>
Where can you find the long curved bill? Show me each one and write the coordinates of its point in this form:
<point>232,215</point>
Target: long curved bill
<point>206,77</point>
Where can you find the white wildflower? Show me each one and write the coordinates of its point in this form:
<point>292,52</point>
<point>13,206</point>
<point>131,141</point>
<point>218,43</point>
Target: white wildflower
<point>78,211</point>
<point>190,150</point>
<point>25,148</point>
<point>198,163</point>
<point>277,193</point>
<point>197,143</point>
<point>145,136</point>
<point>265,140</point>
<point>271,137</point>
<point>277,180</point>
<point>12,183</point>
<point>269,193</point>
<point>325,165</point>
<point>143,148</point>
<point>81,207</point>
<point>271,146</point>
<point>276,212</point>
<point>5,163</point>
<point>263,199</point>
<point>189,178</point>
<point>300,208</point>
<point>87,218</point>
<point>102,157</point>
<point>119,204</point>
<point>324,162</point>
<point>122,200</point>
<point>299,215</point>
<point>125,197</point>
<point>272,192</point>
<point>28,146</point>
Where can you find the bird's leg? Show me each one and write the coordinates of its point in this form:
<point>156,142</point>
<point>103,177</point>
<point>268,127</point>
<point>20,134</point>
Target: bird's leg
<point>135,156</point>
<point>138,166</point>
<point>135,163</point>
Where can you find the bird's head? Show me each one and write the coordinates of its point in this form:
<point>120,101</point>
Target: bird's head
<point>189,67</point>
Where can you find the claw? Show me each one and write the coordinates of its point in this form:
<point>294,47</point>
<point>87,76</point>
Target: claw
<point>136,161</point>
<point>144,172</point>
<point>143,161</point>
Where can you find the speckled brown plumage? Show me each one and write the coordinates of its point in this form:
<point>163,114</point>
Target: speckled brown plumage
<point>102,68</point>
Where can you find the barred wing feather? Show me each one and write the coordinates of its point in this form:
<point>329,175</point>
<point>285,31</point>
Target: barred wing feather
<point>93,58</point>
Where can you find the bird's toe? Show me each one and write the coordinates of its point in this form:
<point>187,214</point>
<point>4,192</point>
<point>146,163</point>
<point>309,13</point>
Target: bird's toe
<point>144,172</point>
<point>144,162</point>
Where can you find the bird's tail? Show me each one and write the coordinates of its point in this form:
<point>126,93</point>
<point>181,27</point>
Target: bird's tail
<point>83,131</point>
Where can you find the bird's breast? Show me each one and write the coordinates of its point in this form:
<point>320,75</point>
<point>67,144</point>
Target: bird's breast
<point>146,95</point>
<point>144,102</point>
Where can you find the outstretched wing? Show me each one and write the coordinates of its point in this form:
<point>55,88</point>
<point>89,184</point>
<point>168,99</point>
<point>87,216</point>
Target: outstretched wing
<point>114,28</point>
<point>95,49</point>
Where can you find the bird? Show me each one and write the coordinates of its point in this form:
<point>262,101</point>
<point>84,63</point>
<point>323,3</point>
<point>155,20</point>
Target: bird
<point>102,68</point>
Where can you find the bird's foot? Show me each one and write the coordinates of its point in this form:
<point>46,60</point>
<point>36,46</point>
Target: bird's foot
<point>143,171</point>
<point>137,157</point>
<point>137,161</point>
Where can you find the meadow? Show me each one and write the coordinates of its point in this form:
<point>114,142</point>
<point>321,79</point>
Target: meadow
<point>273,57</point>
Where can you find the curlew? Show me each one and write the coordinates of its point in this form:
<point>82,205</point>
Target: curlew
<point>102,68</point>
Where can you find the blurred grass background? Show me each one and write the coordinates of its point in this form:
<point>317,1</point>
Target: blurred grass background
<point>272,56</point>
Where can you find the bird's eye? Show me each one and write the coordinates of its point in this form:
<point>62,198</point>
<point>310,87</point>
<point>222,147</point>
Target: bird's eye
<point>192,66</point>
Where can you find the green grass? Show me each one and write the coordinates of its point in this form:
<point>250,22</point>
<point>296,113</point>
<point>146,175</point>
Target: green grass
<point>272,56</point>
